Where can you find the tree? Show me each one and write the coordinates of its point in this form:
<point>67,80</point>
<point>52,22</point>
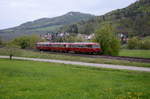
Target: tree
<point>73,28</point>
<point>70,38</point>
<point>107,39</point>
<point>12,50</point>
<point>73,38</point>
<point>1,41</point>
<point>87,28</point>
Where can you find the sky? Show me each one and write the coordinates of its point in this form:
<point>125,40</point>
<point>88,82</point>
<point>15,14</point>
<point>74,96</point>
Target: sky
<point>16,12</point>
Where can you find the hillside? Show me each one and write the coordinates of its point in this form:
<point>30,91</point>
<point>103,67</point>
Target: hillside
<point>44,25</point>
<point>133,20</point>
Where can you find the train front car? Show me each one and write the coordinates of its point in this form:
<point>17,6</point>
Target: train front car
<point>93,48</point>
<point>82,47</point>
<point>96,48</point>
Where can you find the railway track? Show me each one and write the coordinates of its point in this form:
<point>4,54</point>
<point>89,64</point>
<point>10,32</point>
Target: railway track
<point>131,59</point>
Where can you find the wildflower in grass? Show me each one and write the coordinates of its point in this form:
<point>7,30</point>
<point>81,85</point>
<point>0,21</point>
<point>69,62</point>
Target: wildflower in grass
<point>1,81</point>
<point>130,96</point>
<point>7,97</point>
<point>110,89</point>
<point>129,93</point>
<point>140,93</point>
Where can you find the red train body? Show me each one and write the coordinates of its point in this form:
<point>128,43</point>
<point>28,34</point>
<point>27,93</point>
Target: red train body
<point>69,47</point>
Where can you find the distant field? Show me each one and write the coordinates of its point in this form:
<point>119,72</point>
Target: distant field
<point>135,53</point>
<point>28,53</point>
<point>37,80</point>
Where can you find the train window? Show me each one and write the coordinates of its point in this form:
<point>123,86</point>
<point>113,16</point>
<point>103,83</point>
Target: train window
<point>96,46</point>
<point>68,46</point>
<point>55,45</point>
<point>46,45</point>
<point>81,46</point>
<point>58,45</point>
<point>78,46</point>
<point>38,45</point>
<point>73,46</point>
<point>62,45</point>
<point>52,45</point>
<point>89,46</point>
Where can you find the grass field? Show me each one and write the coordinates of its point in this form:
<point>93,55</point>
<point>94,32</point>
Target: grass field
<point>37,80</point>
<point>135,53</point>
<point>28,53</point>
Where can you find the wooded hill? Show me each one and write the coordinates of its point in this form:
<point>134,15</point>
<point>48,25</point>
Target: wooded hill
<point>44,25</point>
<point>133,20</point>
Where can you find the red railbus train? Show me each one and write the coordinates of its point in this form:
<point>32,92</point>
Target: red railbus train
<point>81,47</point>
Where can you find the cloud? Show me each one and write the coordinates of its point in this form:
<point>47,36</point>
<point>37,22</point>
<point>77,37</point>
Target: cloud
<point>15,12</point>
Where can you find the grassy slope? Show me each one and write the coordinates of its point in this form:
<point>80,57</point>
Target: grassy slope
<point>135,53</point>
<point>27,53</point>
<point>37,80</point>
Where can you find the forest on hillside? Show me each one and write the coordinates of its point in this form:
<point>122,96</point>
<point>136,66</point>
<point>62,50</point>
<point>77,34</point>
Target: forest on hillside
<point>133,21</point>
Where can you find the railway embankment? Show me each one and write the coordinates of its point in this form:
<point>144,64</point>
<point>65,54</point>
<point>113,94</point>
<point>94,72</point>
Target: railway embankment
<point>74,57</point>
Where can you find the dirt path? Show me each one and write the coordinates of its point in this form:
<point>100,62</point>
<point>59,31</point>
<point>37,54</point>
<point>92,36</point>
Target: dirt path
<point>85,64</point>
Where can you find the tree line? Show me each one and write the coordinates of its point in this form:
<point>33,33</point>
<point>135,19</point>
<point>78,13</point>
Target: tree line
<point>133,20</point>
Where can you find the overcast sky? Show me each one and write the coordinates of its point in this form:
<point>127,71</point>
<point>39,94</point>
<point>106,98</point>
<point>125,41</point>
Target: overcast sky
<point>15,12</point>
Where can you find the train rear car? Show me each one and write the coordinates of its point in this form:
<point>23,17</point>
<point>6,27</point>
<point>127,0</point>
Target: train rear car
<point>85,47</point>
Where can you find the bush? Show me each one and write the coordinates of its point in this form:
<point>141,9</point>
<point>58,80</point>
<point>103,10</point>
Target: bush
<point>26,41</point>
<point>137,43</point>
<point>108,41</point>
<point>134,43</point>
<point>145,43</point>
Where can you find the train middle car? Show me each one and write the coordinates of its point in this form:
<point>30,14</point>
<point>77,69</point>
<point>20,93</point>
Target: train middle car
<point>70,47</point>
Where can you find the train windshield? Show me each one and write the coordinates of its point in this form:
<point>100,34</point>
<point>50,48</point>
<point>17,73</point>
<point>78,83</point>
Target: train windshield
<point>38,45</point>
<point>96,46</point>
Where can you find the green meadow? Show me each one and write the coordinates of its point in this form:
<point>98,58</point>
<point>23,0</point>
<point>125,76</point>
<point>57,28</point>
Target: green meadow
<point>135,53</point>
<point>38,80</point>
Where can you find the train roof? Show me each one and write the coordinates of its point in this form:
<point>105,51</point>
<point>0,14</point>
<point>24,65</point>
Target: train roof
<point>76,43</point>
